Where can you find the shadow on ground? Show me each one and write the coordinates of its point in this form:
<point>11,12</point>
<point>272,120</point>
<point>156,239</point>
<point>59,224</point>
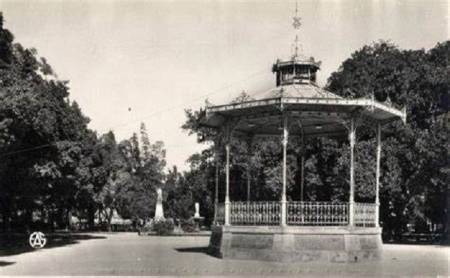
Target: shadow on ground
<point>203,250</point>
<point>3,263</point>
<point>14,244</point>
<point>424,243</point>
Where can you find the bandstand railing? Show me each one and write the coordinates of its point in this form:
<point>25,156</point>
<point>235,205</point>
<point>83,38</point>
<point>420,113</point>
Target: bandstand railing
<point>298,213</point>
<point>365,214</point>
<point>317,213</point>
<point>255,213</point>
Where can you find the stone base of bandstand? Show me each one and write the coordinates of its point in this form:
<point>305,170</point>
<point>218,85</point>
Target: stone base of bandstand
<point>296,243</point>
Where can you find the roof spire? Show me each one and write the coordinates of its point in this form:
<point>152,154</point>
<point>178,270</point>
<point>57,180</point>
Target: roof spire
<point>296,24</point>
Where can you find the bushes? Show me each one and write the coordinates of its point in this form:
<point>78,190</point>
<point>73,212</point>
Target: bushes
<point>161,227</point>
<point>146,229</point>
<point>188,226</point>
<point>167,227</point>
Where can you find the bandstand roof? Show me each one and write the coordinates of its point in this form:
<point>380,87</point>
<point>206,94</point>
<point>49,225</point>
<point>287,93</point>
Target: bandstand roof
<point>311,110</point>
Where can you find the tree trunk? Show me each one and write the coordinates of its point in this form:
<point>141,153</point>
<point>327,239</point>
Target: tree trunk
<point>69,219</point>
<point>6,221</point>
<point>109,218</point>
<point>91,217</point>
<point>28,220</point>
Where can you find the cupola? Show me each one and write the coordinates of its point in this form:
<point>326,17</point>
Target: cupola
<point>297,70</point>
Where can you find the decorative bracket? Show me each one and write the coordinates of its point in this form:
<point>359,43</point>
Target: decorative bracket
<point>229,128</point>
<point>302,134</point>
<point>357,119</point>
<point>217,146</point>
<point>404,114</point>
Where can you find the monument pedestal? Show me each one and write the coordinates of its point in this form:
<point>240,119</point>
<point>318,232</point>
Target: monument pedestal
<point>198,222</point>
<point>197,218</point>
<point>296,244</point>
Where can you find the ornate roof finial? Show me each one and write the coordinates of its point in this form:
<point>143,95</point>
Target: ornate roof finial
<point>296,24</point>
<point>296,18</point>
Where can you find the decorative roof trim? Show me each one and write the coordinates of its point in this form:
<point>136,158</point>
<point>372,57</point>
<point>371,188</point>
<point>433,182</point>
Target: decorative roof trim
<point>362,102</point>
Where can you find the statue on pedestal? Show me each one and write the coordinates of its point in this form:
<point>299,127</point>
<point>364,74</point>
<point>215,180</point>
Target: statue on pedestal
<point>197,210</point>
<point>197,218</point>
<point>159,214</point>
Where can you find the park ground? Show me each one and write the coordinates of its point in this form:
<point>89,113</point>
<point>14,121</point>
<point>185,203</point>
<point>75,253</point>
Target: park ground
<point>130,254</point>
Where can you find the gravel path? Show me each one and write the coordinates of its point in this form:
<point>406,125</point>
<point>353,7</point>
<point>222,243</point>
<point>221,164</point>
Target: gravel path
<point>129,254</point>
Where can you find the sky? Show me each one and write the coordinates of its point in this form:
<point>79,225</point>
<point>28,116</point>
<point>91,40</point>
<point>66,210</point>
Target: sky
<point>147,61</point>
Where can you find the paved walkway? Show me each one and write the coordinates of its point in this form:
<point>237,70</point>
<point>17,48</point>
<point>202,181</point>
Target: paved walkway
<point>129,254</point>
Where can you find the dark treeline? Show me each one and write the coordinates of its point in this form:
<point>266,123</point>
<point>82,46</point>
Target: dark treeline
<point>414,175</point>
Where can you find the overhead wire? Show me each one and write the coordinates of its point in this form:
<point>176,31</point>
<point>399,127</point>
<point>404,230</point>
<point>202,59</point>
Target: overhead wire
<point>203,97</point>
<point>146,117</point>
<point>214,92</point>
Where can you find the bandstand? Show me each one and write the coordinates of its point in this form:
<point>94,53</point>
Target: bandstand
<point>298,230</point>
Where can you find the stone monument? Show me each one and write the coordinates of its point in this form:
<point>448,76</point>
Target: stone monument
<point>197,218</point>
<point>197,210</point>
<point>159,214</point>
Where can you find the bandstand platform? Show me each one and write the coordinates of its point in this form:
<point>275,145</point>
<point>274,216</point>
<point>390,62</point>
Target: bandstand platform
<point>314,231</point>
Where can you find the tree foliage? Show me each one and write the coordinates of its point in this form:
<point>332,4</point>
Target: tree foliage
<point>413,155</point>
<point>43,136</point>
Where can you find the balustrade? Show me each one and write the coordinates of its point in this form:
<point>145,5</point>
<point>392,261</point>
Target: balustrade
<point>317,213</point>
<point>365,215</point>
<point>298,214</point>
<point>255,213</point>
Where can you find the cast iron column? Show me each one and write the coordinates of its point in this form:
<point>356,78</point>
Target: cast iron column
<point>352,173</point>
<point>249,145</point>
<point>302,181</point>
<point>377,188</point>
<point>216,192</point>
<point>227,189</point>
<point>283,192</point>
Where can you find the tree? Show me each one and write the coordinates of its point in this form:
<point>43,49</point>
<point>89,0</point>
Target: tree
<point>179,202</point>
<point>132,172</point>
<point>413,185</point>
<point>41,136</point>
<point>142,172</point>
